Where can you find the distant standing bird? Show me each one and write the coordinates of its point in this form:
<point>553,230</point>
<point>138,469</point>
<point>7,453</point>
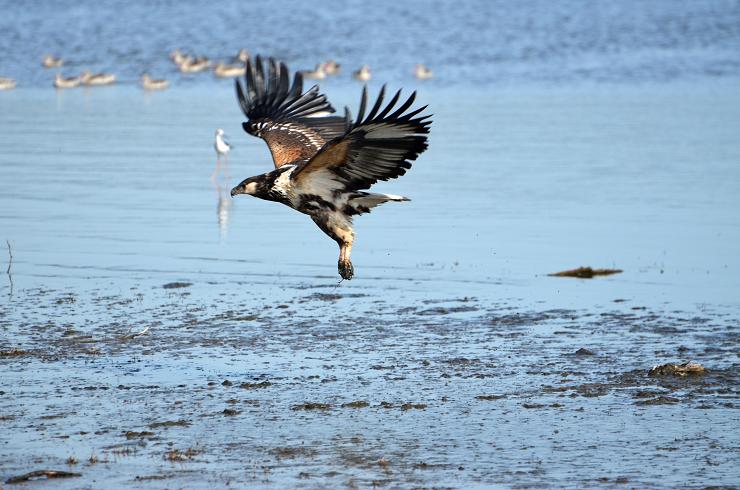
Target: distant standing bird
<point>363,74</point>
<point>87,78</point>
<point>190,65</point>
<point>323,165</point>
<point>222,150</point>
<point>242,55</point>
<point>422,72</point>
<point>178,57</point>
<point>331,67</point>
<point>6,83</point>
<point>228,71</point>
<point>317,73</point>
<point>149,84</point>
<point>62,82</point>
<point>48,61</point>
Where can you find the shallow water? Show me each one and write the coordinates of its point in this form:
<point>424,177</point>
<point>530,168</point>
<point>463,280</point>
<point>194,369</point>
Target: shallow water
<point>451,359</point>
<point>106,198</point>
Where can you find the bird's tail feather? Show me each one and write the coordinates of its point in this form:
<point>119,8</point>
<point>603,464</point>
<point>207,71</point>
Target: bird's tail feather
<point>363,202</point>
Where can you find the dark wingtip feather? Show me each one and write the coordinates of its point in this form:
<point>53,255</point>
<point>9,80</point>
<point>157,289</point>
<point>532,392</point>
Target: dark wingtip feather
<point>377,105</point>
<point>274,97</point>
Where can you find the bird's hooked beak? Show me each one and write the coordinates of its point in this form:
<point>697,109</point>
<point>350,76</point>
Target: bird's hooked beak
<point>246,187</point>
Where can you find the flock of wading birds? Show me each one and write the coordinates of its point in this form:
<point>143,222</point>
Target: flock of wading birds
<point>196,64</point>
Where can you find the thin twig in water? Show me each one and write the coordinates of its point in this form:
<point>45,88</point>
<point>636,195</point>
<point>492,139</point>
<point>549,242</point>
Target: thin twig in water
<point>35,475</point>
<point>130,335</point>
<point>10,264</point>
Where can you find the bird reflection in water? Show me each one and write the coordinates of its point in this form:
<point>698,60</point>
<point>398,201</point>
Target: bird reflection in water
<point>224,204</point>
<point>222,148</point>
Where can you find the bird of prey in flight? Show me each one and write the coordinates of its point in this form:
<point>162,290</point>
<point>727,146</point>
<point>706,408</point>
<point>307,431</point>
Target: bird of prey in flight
<point>324,163</point>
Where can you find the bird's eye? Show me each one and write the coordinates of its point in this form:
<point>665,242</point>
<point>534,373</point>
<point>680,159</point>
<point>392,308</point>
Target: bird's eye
<point>251,128</point>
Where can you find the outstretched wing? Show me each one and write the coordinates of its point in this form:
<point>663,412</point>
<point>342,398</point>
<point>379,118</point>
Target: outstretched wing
<point>380,146</point>
<point>295,125</point>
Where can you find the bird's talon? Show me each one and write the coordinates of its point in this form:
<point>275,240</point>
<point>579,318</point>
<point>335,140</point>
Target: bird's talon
<point>346,270</point>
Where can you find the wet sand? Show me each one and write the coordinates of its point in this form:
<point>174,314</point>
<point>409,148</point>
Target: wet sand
<point>338,389</point>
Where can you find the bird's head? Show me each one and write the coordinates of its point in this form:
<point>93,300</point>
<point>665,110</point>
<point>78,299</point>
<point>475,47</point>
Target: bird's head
<point>219,132</point>
<point>251,186</point>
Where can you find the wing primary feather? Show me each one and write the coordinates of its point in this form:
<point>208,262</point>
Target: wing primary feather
<point>377,105</point>
<point>347,119</point>
<point>404,106</point>
<point>363,104</point>
<point>284,83</point>
<point>243,102</point>
<point>260,78</point>
<point>407,117</point>
<point>272,82</point>
<point>250,80</point>
<point>297,87</point>
<point>390,105</point>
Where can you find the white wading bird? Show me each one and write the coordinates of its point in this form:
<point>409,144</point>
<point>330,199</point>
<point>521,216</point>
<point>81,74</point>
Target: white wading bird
<point>222,150</point>
<point>324,163</point>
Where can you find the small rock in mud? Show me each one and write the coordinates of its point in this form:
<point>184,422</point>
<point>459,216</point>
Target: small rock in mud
<point>356,404</point>
<point>170,423</point>
<point>585,273</point>
<point>415,406</point>
<point>532,405</point>
<point>685,369</point>
<point>14,353</point>
<point>490,397</point>
<point>584,352</point>
<point>178,455</point>
<point>226,382</point>
<point>646,394</point>
<point>153,477</point>
<point>230,412</point>
<point>255,386</point>
<point>177,285</point>
<point>291,452</point>
<point>661,400</point>
<point>138,435</point>
<point>311,406</point>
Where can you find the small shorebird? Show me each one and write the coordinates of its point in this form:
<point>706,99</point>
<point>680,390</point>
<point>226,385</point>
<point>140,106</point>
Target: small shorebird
<point>323,165</point>
<point>48,61</point>
<point>363,74</point>
<point>226,71</point>
<point>177,56</point>
<point>317,73</point>
<point>222,150</point>
<point>90,79</point>
<point>242,55</point>
<point>62,82</point>
<point>422,72</point>
<point>149,84</point>
<point>6,83</point>
<point>331,67</point>
<point>190,65</point>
